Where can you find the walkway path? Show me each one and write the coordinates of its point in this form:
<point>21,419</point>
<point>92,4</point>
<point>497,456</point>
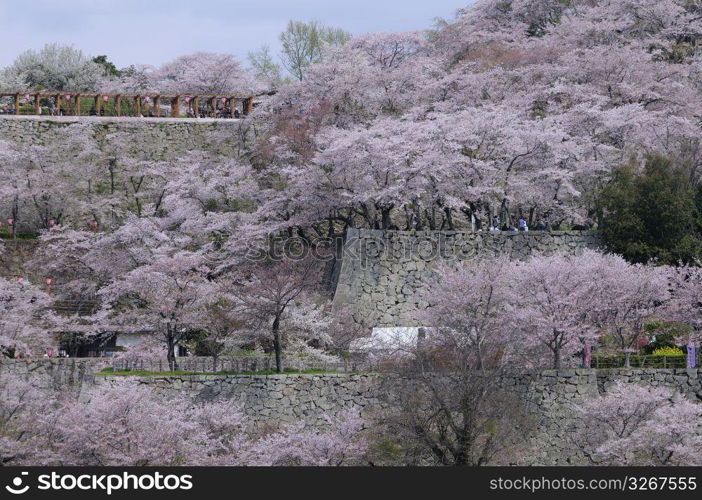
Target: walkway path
<point>69,119</point>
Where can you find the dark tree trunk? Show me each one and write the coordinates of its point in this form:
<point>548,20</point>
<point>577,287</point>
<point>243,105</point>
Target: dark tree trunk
<point>431,218</point>
<point>490,215</point>
<point>556,348</point>
<point>277,345</point>
<point>505,217</point>
<point>449,218</point>
<point>15,217</point>
<point>385,215</point>
<point>170,356</point>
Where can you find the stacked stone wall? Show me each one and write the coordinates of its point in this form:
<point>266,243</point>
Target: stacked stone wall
<point>152,139</point>
<point>274,400</point>
<point>382,272</point>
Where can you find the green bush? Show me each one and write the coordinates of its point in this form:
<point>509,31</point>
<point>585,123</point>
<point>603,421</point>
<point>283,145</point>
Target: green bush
<point>653,214</point>
<point>668,351</point>
<point>663,334</point>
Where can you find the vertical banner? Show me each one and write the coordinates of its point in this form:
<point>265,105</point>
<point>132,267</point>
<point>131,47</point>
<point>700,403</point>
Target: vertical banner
<point>587,356</point>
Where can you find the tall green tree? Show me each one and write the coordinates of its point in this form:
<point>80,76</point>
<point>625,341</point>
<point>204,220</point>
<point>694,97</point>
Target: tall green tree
<point>652,214</point>
<point>110,68</point>
<point>265,69</point>
<point>304,43</point>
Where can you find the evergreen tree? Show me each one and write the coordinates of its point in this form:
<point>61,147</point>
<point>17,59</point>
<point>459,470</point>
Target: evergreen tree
<point>652,215</point>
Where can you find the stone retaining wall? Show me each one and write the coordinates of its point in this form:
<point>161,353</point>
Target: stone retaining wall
<point>553,395</point>
<point>383,271</point>
<point>52,373</point>
<point>148,139</point>
<point>269,401</point>
<point>272,400</point>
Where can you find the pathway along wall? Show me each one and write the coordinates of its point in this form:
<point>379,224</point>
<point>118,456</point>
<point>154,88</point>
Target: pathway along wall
<point>383,271</point>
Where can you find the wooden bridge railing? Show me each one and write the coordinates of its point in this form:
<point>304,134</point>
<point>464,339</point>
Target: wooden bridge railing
<point>101,104</point>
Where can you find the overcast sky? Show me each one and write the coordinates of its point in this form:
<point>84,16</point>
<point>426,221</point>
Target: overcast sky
<point>155,31</point>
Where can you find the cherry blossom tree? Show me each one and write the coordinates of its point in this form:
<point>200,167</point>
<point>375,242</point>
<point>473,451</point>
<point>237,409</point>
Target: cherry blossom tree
<point>633,425</point>
<point>136,78</point>
<point>54,67</point>
<point>126,424</point>
<point>342,443</point>
<point>567,302</point>
<point>223,325</point>
<point>30,195</point>
<point>209,196</point>
<point>129,271</point>
<point>685,304</point>
<point>555,299</point>
<point>631,295</point>
<point>545,98</point>
<point>453,410</point>
<point>144,429</point>
<point>267,290</point>
<point>26,321</point>
<point>203,73</point>
<point>20,402</point>
<point>469,311</point>
<point>68,257</point>
<point>164,298</point>
<point>553,305</point>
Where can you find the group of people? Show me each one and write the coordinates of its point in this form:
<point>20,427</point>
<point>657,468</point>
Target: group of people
<point>54,110</point>
<point>225,112</point>
<point>521,226</point>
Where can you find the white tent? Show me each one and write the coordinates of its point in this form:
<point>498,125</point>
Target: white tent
<point>390,341</point>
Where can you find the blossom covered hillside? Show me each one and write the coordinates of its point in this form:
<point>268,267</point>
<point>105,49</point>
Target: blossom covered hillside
<point>519,107</point>
<point>475,245</point>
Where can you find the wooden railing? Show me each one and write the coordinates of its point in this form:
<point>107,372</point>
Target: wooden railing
<point>120,105</point>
